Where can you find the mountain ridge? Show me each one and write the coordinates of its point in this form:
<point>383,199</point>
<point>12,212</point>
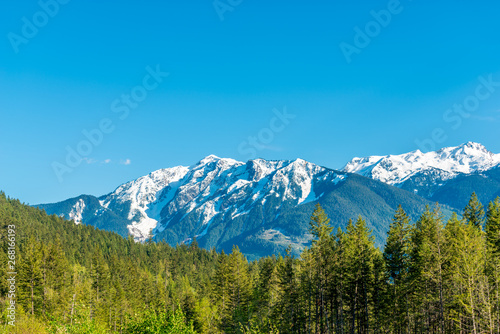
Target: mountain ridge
<point>264,205</point>
<point>394,169</point>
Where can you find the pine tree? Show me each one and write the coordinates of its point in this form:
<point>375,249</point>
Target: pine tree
<point>474,211</point>
<point>360,276</point>
<point>99,275</point>
<point>56,277</point>
<point>493,226</point>
<point>397,259</point>
<point>453,232</point>
<point>427,271</point>
<point>31,277</point>
<point>320,225</point>
<point>288,307</point>
<point>307,288</point>
<point>266,290</point>
<point>493,258</point>
<point>221,288</point>
<point>475,306</point>
<point>338,285</point>
<point>321,251</point>
<point>233,291</point>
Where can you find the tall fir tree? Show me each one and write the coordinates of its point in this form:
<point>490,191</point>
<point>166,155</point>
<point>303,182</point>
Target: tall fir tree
<point>360,277</point>
<point>427,271</point>
<point>397,256</point>
<point>321,252</point>
<point>493,226</point>
<point>30,280</point>
<point>288,309</point>
<point>474,211</point>
<point>492,229</point>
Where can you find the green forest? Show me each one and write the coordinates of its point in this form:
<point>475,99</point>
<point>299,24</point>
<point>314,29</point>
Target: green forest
<point>432,276</point>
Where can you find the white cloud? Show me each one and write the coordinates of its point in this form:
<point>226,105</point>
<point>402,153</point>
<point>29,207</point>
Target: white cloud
<point>106,161</point>
<point>89,160</point>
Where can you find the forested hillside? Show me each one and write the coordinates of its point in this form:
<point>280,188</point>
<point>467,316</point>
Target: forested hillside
<point>434,276</point>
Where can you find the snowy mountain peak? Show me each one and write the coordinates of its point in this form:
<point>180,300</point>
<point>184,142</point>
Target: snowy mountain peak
<point>214,189</point>
<point>447,162</point>
<point>211,159</point>
<point>474,146</point>
<point>467,149</point>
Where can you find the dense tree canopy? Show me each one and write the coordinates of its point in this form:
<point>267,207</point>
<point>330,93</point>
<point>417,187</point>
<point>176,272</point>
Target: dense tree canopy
<point>433,276</point>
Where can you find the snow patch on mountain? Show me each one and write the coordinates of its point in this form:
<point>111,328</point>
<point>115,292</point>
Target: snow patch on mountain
<point>144,197</point>
<point>76,213</point>
<point>212,189</point>
<point>447,163</point>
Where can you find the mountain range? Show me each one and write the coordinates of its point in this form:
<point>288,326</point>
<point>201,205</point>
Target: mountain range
<point>264,206</point>
<point>447,176</point>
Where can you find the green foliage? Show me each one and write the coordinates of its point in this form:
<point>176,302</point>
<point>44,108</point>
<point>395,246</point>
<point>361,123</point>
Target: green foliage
<point>320,224</point>
<point>431,278</point>
<point>397,256</point>
<point>474,211</point>
<point>493,226</point>
<point>163,323</point>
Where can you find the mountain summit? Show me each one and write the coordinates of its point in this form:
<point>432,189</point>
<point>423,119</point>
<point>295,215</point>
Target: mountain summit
<point>261,205</point>
<point>447,162</point>
<point>426,174</point>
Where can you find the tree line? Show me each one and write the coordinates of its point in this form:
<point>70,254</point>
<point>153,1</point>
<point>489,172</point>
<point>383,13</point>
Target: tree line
<point>434,275</point>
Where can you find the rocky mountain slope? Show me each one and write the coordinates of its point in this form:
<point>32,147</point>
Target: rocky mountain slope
<point>436,175</point>
<point>262,206</point>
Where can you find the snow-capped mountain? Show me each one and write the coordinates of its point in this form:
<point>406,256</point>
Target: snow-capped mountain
<point>212,187</point>
<point>263,206</point>
<point>424,173</point>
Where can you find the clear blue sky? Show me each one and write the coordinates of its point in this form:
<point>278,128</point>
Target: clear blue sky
<point>226,77</point>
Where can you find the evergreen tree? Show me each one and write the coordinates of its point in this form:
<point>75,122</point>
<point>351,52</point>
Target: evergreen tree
<point>431,278</point>
<point>475,308</point>
<point>99,274</point>
<point>265,292</point>
<point>338,287</point>
<point>239,289</point>
<point>30,280</point>
<point>427,271</point>
<point>320,225</point>
<point>233,291</point>
<point>360,277</point>
<point>397,259</point>
<point>321,252</point>
<point>221,288</point>
<point>288,309</point>
<point>493,226</point>
<point>474,211</point>
<point>453,232</point>
<point>493,258</point>
<point>56,278</point>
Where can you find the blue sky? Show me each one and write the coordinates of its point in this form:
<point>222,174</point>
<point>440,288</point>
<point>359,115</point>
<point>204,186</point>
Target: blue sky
<point>229,78</point>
